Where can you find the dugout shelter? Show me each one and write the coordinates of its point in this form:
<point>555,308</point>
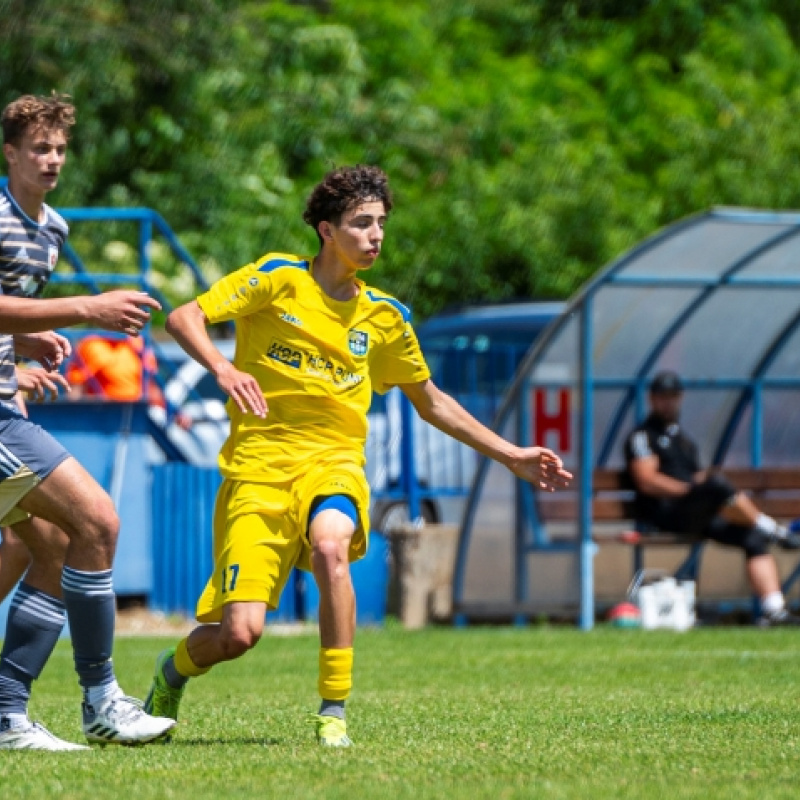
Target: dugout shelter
<point>715,297</point>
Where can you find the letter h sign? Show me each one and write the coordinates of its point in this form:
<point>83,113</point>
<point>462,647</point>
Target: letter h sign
<point>552,419</point>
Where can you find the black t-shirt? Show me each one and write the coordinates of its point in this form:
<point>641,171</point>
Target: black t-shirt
<point>677,456</point>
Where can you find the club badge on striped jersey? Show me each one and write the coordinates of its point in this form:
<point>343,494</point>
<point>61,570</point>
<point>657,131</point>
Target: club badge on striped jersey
<point>358,342</point>
<point>52,258</point>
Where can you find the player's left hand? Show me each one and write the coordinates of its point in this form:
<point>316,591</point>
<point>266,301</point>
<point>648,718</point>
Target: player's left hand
<point>541,467</point>
<point>49,348</point>
<point>40,384</point>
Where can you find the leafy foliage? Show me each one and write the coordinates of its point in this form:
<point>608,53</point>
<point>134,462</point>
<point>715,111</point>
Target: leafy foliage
<point>529,142</point>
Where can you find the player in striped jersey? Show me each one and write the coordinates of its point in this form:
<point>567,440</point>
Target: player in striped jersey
<point>39,480</point>
<point>28,254</point>
<point>312,343</point>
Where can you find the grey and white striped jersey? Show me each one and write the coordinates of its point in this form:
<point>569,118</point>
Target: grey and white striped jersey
<point>29,252</point>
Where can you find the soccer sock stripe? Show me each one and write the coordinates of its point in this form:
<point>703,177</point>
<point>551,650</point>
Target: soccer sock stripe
<point>335,673</point>
<point>91,609</point>
<point>35,621</point>
<point>89,583</point>
<point>14,694</point>
<point>34,603</point>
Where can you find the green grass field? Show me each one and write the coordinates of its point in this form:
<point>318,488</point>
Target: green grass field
<point>476,713</point>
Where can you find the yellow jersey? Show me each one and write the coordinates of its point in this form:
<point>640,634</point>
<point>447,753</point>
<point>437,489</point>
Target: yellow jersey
<point>317,361</point>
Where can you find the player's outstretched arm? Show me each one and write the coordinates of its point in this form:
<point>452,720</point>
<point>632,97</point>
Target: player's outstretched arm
<point>538,465</point>
<point>123,310</point>
<point>187,325</point>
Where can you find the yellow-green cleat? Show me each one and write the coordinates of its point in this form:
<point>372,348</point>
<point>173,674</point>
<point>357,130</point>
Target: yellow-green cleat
<point>163,700</point>
<point>331,731</point>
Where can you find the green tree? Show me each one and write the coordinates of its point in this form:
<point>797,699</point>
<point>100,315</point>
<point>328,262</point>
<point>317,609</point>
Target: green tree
<point>529,142</point>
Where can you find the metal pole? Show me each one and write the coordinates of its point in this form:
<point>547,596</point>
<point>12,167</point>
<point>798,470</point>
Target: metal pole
<point>757,440</point>
<point>585,458</point>
<point>408,460</point>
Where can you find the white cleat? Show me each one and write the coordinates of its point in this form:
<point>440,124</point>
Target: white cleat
<point>34,736</point>
<point>122,720</point>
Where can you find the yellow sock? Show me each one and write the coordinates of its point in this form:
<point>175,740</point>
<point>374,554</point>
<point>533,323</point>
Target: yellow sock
<point>183,661</point>
<point>335,672</point>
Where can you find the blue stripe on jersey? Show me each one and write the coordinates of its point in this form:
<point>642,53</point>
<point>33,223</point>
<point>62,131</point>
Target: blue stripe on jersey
<point>379,298</point>
<point>275,263</point>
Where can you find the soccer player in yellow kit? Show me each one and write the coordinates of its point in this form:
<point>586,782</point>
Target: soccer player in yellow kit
<point>312,343</point>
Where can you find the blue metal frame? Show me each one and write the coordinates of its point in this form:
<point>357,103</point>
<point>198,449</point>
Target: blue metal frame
<point>519,382</point>
<point>709,287</point>
<point>751,388</point>
<point>586,460</point>
<point>148,220</point>
<point>754,394</point>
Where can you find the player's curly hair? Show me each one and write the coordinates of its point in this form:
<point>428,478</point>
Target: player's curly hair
<point>342,189</point>
<point>26,112</point>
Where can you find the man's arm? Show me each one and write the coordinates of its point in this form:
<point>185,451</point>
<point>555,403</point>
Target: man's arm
<point>538,465</point>
<point>648,480</point>
<point>187,325</point>
<point>124,310</point>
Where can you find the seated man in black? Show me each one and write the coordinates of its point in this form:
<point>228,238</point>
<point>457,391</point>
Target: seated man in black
<point>674,494</point>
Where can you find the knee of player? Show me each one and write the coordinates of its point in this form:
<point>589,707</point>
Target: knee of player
<point>104,521</point>
<point>755,544</point>
<point>721,487</point>
<point>331,551</point>
<point>235,642</point>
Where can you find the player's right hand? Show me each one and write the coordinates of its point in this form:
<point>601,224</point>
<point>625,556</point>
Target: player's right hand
<point>123,310</point>
<point>242,388</point>
<point>541,467</point>
<point>40,384</point>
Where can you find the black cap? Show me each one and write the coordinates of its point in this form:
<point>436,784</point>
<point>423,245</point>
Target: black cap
<point>666,383</point>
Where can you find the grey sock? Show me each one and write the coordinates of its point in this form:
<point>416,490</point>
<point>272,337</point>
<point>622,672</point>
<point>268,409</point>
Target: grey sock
<point>172,676</point>
<point>35,622</point>
<point>91,610</point>
<point>332,708</point>
<point>10,721</point>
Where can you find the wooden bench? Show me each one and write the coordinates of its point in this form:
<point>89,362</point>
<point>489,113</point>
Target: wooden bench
<point>775,490</point>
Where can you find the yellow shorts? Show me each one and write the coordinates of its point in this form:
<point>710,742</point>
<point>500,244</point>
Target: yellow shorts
<point>261,533</point>
<point>12,490</point>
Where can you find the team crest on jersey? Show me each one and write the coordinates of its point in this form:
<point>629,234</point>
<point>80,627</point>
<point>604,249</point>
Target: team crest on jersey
<point>52,258</point>
<point>358,342</point>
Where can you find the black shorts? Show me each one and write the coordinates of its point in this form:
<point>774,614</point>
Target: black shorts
<point>696,515</point>
<point>695,511</point>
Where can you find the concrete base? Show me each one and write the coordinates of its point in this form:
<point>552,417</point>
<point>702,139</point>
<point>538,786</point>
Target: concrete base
<point>424,558</point>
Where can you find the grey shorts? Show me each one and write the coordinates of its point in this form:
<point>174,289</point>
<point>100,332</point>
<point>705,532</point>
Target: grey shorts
<point>28,454</point>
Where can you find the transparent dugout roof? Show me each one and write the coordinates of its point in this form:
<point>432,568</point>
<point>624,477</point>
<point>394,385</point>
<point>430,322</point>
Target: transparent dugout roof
<point>716,298</point>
